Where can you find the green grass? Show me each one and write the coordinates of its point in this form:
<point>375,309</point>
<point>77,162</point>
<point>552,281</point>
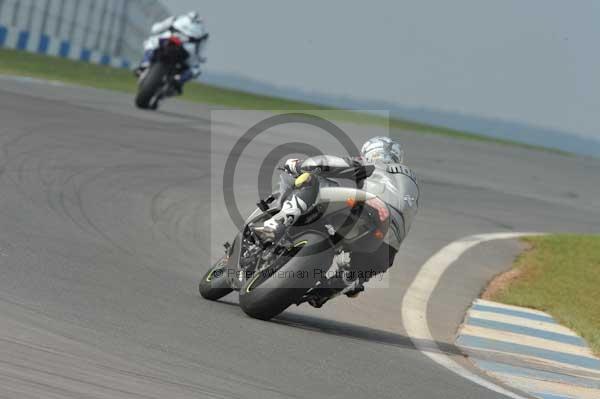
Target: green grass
<point>560,275</point>
<point>53,68</point>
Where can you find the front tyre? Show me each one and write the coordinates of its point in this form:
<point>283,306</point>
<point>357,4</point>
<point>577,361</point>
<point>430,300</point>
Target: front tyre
<point>214,283</point>
<point>149,86</point>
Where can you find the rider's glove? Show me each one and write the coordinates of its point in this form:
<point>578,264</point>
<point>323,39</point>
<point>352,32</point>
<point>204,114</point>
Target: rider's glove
<point>292,166</point>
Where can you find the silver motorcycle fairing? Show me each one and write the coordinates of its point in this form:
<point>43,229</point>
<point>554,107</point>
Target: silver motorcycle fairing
<point>330,194</point>
<point>343,194</point>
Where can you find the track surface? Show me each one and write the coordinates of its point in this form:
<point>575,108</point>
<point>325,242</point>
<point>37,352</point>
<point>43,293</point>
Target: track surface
<point>109,216</point>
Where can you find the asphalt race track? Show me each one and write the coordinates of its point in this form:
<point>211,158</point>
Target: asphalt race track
<point>109,216</point>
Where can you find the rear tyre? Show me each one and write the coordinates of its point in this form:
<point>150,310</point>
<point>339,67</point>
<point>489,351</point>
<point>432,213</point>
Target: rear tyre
<point>266,295</point>
<point>150,85</point>
<point>214,284</point>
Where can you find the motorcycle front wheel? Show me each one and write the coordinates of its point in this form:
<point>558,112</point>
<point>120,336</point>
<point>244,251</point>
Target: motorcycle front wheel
<point>150,85</point>
<point>214,284</point>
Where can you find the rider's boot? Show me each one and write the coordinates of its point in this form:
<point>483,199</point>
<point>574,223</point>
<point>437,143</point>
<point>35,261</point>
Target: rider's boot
<point>182,79</point>
<point>345,282</point>
<point>302,199</point>
<point>352,284</point>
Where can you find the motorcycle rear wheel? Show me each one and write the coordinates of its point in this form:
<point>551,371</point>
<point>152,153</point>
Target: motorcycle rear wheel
<point>267,294</point>
<point>150,85</point>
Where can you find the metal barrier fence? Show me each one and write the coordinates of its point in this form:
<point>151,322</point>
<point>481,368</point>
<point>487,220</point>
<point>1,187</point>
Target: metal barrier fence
<point>109,32</point>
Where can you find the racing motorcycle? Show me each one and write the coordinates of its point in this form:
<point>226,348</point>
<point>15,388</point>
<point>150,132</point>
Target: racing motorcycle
<point>158,80</point>
<point>294,270</point>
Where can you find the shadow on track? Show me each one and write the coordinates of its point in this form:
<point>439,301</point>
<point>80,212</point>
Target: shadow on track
<point>353,331</point>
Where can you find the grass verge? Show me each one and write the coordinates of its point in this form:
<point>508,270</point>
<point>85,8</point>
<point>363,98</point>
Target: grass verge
<point>559,274</point>
<point>54,68</point>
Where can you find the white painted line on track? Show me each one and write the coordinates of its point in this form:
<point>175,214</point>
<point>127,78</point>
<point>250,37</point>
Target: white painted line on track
<point>416,300</point>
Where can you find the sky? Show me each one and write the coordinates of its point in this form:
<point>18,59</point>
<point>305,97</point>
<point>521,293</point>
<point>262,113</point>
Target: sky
<point>532,61</point>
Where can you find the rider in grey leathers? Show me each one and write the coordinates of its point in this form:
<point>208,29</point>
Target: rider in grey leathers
<point>390,180</point>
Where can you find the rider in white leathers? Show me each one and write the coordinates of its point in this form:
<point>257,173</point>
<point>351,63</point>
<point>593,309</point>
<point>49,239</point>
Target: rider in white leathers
<point>190,29</point>
<point>390,180</point>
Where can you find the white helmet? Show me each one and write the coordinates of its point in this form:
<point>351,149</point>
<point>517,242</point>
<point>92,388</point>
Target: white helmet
<point>190,25</point>
<point>382,149</point>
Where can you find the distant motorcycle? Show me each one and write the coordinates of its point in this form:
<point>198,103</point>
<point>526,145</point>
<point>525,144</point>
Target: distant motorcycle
<point>272,277</point>
<point>158,80</point>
